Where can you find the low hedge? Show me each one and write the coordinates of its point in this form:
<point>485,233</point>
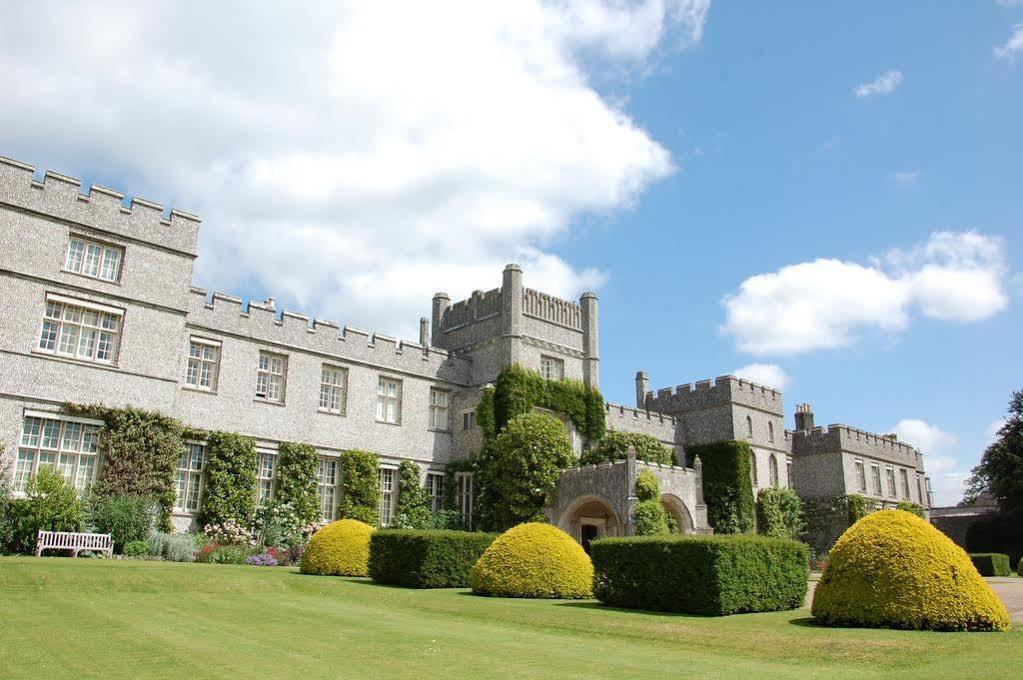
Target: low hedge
<point>991,564</point>
<point>425,558</point>
<point>712,575</point>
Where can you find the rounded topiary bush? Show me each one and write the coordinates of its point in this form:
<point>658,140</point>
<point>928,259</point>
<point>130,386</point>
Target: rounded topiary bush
<point>534,560</point>
<point>339,549</point>
<point>893,569</point>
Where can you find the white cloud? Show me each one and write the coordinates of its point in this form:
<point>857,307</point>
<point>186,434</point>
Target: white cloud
<point>346,155</point>
<point>906,178</point>
<point>769,375</point>
<point>829,303</point>
<point>1007,51</point>
<point>883,84</point>
<point>941,465</point>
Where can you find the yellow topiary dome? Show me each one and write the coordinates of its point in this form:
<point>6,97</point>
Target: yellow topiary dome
<point>534,560</point>
<point>893,569</point>
<point>339,549</point>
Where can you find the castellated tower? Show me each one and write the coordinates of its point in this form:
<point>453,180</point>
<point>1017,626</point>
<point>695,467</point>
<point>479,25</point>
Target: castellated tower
<point>518,325</point>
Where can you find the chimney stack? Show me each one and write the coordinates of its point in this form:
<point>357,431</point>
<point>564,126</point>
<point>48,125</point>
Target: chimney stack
<point>804,417</point>
<point>424,331</point>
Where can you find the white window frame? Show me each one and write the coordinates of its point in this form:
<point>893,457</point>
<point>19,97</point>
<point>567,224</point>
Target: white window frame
<point>69,321</point>
<point>892,488</point>
<point>875,476</point>
<point>388,477</point>
<point>440,413</point>
<point>904,481</point>
<point>68,445</point>
<point>463,497</point>
<point>435,488</point>
<point>333,389</point>
<point>188,488</point>
<point>77,260</point>
<point>552,368</point>
<point>788,473</point>
<point>861,476</point>
<point>203,362</point>
<point>326,487</point>
<point>388,405</point>
<point>270,376</point>
<point>468,420</point>
<point>265,484</point>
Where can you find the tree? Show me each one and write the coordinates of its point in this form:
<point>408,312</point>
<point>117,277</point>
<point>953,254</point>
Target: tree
<point>519,470</point>
<point>1000,472</point>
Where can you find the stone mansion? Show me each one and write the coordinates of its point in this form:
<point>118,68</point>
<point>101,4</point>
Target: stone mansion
<point>106,313</point>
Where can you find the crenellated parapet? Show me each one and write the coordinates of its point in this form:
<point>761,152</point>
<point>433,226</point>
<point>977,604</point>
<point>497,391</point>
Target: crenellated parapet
<point>480,305</point>
<point>220,313</point>
<point>102,209</point>
<point>551,309</point>
<point>838,437</point>
<point>724,390</point>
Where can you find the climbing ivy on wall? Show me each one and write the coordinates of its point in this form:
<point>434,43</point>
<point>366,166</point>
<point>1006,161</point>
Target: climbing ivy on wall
<point>140,452</point>
<point>727,486</point>
<point>779,513</point>
<point>649,517</point>
<point>615,446</point>
<point>296,479</point>
<point>360,487</point>
<point>412,510</point>
<point>519,391</point>
<point>230,479</point>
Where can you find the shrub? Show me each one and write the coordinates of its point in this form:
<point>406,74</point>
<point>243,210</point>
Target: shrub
<point>727,486</point>
<point>779,513</point>
<point>140,452</point>
<point>914,508</point>
<point>713,575</point>
<point>51,503</point>
<point>360,487</point>
<point>173,547</point>
<point>892,569</point>
<point>858,507</point>
<point>277,524</point>
<point>991,564</point>
<point>413,508</point>
<point>615,445</point>
<point>264,559</point>
<point>136,549</point>
<point>228,532</point>
<point>339,549</point>
<point>533,560</point>
<point>8,525</point>
<point>230,477</point>
<point>126,518</point>
<point>649,517</point>
<point>213,553</point>
<point>296,480</point>
<point>425,559</point>
<point>519,470</point>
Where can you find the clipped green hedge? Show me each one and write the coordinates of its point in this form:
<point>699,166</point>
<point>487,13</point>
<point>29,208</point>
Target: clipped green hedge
<point>615,445</point>
<point>425,558</point>
<point>230,479</point>
<point>727,485</point>
<point>296,480</point>
<point>711,575</point>
<point>991,564</point>
<point>360,487</point>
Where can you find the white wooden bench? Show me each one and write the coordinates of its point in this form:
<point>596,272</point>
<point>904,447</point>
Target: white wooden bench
<point>70,540</point>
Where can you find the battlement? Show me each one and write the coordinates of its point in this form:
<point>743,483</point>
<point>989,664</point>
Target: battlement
<point>477,307</point>
<point>726,389</point>
<point>549,308</point>
<point>639,414</point>
<point>223,313</point>
<point>838,437</point>
<point>101,208</point>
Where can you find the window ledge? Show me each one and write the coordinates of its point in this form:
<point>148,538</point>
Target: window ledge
<point>71,360</point>
<point>384,422</point>
<point>328,412</point>
<point>192,388</point>
<point>441,430</point>
<point>261,400</point>
<point>65,270</point>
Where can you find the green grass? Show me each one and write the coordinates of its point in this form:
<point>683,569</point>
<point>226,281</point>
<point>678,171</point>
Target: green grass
<point>121,619</point>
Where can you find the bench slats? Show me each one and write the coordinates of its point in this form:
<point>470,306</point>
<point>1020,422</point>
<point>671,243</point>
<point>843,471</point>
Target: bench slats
<point>76,541</point>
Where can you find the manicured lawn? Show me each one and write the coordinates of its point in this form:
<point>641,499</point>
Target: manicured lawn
<point>122,619</point>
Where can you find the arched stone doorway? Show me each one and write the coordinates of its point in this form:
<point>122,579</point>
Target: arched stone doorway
<point>675,507</point>
<point>588,518</point>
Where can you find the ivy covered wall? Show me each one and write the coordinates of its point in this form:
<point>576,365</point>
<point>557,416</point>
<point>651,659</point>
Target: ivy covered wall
<point>727,485</point>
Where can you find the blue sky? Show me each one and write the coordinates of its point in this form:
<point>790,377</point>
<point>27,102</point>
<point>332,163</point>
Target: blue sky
<point>830,193</point>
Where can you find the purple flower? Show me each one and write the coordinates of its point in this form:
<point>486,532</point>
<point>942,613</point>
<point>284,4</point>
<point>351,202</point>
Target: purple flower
<point>261,560</point>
